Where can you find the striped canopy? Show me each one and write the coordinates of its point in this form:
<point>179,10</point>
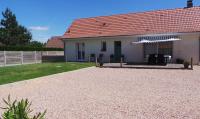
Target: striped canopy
<point>156,41</point>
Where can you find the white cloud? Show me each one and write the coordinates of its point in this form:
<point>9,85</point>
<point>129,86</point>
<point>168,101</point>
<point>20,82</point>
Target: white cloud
<point>39,28</point>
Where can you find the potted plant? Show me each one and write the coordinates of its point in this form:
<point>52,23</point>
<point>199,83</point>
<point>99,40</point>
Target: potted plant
<point>186,64</point>
<point>101,64</point>
<point>101,60</point>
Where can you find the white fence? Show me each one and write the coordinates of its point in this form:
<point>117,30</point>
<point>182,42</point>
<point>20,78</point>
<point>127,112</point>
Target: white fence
<point>53,53</point>
<point>9,58</point>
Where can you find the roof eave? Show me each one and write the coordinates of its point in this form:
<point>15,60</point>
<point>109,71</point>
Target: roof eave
<point>135,35</point>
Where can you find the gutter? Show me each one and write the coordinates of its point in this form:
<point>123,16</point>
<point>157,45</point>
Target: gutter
<point>137,35</point>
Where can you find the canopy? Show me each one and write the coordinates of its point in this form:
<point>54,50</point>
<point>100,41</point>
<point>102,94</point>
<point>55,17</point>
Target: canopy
<point>156,41</point>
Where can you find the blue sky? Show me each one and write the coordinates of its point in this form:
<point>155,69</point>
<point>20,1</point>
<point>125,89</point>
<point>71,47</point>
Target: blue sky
<point>48,18</point>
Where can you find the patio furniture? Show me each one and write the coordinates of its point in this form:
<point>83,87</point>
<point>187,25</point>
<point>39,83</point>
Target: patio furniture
<point>100,59</point>
<point>161,59</point>
<point>112,58</point>
<point>92,57</point>
<point>168,58</point>
<point>158,59</point>
<point>123,58</point>
<point>152,59</point>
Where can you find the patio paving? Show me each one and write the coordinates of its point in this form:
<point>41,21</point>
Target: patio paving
<point>113,93</point>
<point>143,66</point>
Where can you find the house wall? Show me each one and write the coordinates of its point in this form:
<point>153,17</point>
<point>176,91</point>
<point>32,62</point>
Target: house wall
<point>132,53</point>
<point>185,49</point>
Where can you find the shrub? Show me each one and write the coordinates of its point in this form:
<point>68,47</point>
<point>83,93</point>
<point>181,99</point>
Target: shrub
<point>19,110</point>
<point>28,48</point>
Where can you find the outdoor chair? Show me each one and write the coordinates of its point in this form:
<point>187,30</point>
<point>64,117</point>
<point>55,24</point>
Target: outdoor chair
<point>152,59</point>
<point>123,58</point>
<point>100,59</point>
<point>161,59</point>
<point>92,57</point>
<point>112,58</point>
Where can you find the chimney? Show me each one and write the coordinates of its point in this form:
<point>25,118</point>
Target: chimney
<point>189,3</point>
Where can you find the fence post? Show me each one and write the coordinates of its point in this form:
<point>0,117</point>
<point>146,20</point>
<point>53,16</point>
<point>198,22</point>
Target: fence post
<point>96,61</point>
<point>22,57</point>
<point>41,54</point>
<point>121,61</point>
<point>4,54</point>
<point>35,56</point>
<point>192,63</point>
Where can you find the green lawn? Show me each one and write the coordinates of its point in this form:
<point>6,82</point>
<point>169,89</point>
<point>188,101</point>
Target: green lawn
<point>24,72</point>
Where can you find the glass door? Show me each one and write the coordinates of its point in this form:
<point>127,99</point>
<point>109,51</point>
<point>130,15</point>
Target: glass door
<point>117,51</point>
<point>80,50</point>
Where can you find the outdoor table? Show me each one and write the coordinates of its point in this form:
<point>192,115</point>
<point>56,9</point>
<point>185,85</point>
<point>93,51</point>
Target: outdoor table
<point>167,58</point>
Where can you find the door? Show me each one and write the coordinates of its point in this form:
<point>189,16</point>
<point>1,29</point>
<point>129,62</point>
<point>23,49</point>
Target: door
<point>80,50</point>
<point>117,51</point>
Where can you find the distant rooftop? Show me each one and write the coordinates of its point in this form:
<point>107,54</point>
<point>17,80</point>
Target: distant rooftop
<point>55,42</point>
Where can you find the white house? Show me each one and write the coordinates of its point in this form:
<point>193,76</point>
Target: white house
<point>173,32</point>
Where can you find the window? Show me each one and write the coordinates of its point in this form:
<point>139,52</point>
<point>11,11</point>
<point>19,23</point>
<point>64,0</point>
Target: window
<point>103,46</point>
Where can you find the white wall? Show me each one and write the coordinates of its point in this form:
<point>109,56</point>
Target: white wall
<point>133,53</point>
<point>187,48</point>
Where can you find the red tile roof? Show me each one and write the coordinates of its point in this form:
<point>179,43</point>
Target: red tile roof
<point>152,22</point>
<point>55,42</point>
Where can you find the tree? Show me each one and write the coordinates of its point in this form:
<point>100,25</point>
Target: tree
<point>1,36</point>
<point>11,33</point>
<point>36,44</point>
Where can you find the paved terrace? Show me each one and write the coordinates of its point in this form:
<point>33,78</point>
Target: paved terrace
<point>143,66</point>
<point>113,93</point>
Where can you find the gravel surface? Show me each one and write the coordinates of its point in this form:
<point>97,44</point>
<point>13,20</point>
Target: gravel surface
<point>113,93</point>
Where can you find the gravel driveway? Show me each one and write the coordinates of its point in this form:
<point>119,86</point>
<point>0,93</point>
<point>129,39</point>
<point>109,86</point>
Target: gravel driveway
<point>113,93</point>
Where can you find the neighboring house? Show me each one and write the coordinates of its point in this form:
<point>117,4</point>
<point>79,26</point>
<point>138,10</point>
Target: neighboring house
<point>55,42</point>
<point>173,32</point>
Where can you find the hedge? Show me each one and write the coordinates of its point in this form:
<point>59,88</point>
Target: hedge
<point>28,48</point>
